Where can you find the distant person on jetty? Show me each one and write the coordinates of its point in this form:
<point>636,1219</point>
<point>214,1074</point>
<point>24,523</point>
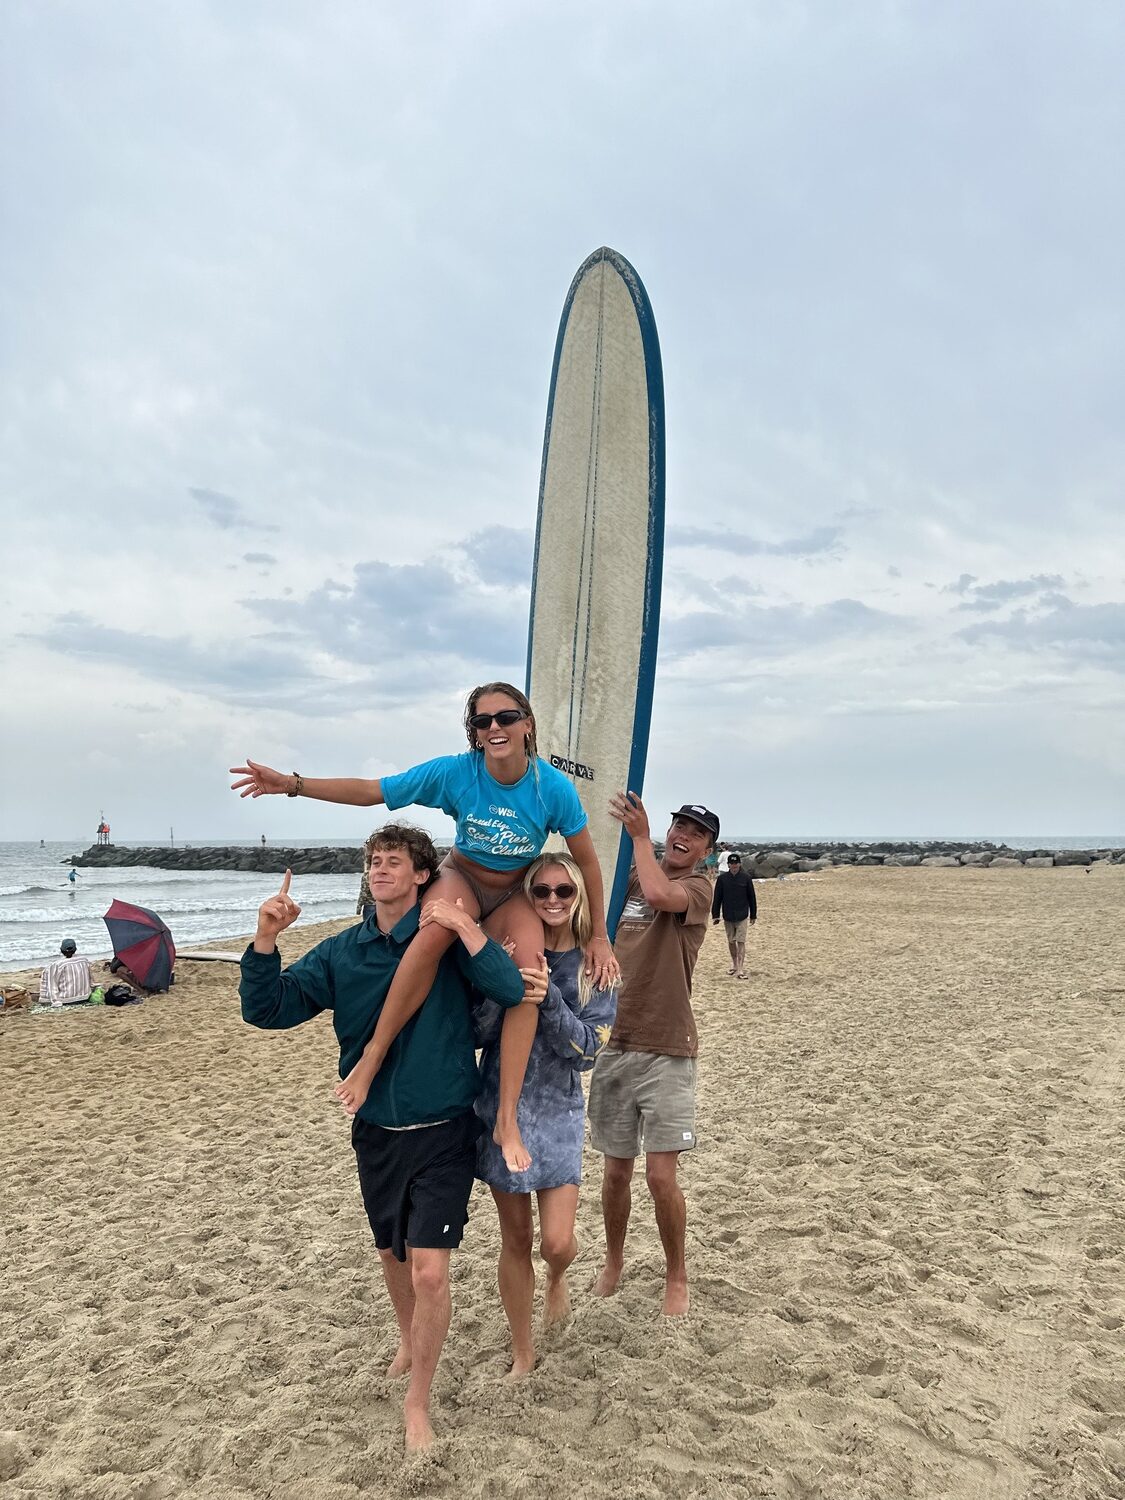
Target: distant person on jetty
<point>66,980</point>
<point>506,800</point>
<point>574,1024</point>
<point>415,1133</point>
<point>642,1095</point>
<point>736,903</point>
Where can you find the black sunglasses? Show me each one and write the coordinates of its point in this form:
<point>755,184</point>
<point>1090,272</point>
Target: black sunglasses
<point>505,717</point>
<point>563,892</point>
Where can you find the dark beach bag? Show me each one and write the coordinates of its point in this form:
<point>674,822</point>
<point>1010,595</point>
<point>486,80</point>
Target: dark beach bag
<point>121,994</point>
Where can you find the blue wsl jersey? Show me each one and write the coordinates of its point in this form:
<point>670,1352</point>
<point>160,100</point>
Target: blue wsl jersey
<point>500,827</point>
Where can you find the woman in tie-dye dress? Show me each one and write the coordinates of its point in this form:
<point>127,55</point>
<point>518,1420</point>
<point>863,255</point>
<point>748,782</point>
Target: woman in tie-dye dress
<point>574,1025</point>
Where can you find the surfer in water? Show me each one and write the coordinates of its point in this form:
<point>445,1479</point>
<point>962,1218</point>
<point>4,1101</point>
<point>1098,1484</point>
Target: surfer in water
<point>505,800</point>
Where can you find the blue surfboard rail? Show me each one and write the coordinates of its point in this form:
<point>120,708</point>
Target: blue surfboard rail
<point>650,630</point>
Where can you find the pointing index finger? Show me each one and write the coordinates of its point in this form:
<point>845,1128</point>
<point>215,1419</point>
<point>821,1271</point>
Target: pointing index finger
<point>285,883</point>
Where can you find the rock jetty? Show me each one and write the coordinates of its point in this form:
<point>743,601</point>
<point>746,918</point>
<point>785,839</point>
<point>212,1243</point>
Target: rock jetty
<point>771,860</point>
<point>263,860</point>
<point>765,862</point>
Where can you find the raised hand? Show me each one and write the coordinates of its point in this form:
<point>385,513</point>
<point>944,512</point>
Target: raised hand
<point>628,808</point>
<point>276,913</point>
<point>259,781</point>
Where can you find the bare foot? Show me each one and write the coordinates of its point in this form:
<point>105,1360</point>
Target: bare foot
<point>400,1365</point>
<point>512,1148</point>
<point>352,1090</point>
<point>522,1364</point>
<point>609,1276</point>
<point>419,1433</point>
<point>676,1299</point>
<point>556,1301</point>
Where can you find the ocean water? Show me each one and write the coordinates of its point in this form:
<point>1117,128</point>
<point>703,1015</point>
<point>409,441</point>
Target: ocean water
<point>39,907</point>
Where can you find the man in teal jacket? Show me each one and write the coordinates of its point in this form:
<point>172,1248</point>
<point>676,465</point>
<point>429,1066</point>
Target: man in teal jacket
<point>415,1133</point>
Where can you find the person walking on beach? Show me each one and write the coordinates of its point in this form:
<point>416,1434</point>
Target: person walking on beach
<point>66,980</point>
<point>506,799</point>
<point>415,1134</point>
<point>574,1025</point>
<point>736,903</point>
<point>642,1095</point>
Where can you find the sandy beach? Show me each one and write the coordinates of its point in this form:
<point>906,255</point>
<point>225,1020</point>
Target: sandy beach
<point>906,1237</point>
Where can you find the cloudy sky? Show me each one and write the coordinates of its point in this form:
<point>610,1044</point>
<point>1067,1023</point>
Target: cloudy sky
<point>280,289</point>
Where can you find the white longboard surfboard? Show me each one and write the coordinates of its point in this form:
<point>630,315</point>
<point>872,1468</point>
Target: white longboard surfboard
<point>599,544</point>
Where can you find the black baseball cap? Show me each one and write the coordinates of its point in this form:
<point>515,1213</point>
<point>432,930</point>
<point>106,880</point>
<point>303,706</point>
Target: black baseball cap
<point>734,859</point>
<point>68,946</point>
<point>701,815</point>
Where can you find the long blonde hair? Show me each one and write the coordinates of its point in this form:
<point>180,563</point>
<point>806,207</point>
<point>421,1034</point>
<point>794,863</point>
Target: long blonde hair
<point>581,920</point>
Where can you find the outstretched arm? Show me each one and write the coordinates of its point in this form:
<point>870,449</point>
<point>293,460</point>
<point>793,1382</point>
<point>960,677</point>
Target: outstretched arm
<point>661,893</point>
<point>257,780</point>
<point>601,965</point>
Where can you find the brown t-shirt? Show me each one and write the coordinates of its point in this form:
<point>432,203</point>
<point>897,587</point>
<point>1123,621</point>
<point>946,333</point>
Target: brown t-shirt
<point>657,952</point>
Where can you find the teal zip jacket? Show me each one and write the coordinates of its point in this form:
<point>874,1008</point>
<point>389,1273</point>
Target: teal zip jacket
<point>430,1072</point>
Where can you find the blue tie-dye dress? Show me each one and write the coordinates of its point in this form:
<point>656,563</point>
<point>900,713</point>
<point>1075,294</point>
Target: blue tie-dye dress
<point>551,1111</point>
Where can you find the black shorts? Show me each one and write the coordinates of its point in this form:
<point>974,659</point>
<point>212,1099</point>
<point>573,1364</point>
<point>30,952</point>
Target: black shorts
<point>416,1183</point>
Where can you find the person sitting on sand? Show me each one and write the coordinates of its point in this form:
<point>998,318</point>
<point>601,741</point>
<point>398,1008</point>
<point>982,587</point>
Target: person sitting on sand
<point>415,1133</point>
<point>642,1094</point>
<point>574,1023</point>
<point>506,800</point>
<point>66,980</point>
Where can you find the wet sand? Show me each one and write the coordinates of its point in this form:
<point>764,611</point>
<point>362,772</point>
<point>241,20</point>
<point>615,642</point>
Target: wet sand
<point>906,1237</point>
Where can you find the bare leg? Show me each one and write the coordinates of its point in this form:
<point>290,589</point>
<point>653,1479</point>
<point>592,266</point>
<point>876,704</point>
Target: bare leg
<point>516,921</point>
<point>432,1308</point>
<point>412,983</point>
<point>396,1274</point>
<point>617,1202</point>
<point>558,1247</point>
<point>671,1221</point>
<point>733,947</point>
<point>516,1275</point>
<point>740,960</point>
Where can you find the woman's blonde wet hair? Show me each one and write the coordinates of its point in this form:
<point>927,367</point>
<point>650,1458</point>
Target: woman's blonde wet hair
<point>518,698</point>
<point>581,920</point>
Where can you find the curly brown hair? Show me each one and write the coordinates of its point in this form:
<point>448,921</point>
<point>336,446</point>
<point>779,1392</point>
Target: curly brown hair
<point>518,698</point>
<point>423,855</point>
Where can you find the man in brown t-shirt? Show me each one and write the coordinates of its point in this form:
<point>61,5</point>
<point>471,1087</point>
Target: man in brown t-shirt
<point>642,1095</point>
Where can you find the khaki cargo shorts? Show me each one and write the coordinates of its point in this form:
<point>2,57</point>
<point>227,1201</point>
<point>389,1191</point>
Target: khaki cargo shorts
<point>642,1101</point>
<point>736,931</point>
